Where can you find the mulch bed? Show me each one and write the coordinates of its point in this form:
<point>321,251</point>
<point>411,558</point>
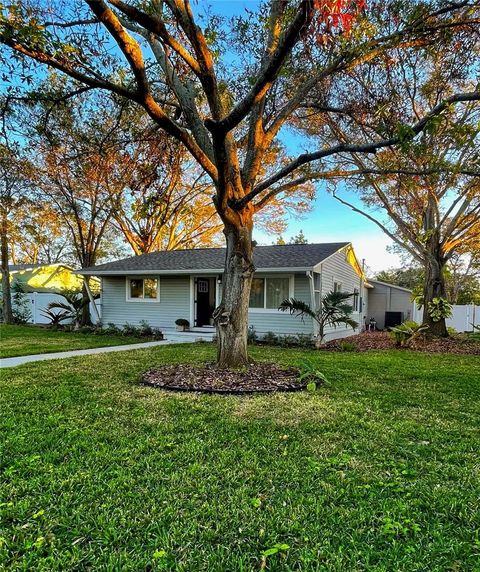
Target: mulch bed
<point>366,341</point>
<point>259,377</point>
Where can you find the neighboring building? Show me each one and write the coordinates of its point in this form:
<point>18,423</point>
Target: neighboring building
<point>46,278</point>
<point>388,305</point>
<point>43,283</point>
<point>163,286</point>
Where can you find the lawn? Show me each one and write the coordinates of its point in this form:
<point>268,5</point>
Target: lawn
<point>29,340</point>
<point>376,471</point>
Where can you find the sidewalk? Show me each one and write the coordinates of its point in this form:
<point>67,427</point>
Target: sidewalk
<point>14,361</point>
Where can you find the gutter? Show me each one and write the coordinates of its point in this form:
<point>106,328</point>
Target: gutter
<point>174,272</point>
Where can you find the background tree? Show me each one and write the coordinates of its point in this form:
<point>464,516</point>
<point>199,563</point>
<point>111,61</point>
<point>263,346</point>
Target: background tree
<point>231,118</point>
<point>80,170</point>
<point>425,192</point>
<point>14,188</point>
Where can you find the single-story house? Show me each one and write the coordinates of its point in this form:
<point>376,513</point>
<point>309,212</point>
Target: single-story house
<point>43,283</point>
<point>388,305</point>
<point>163,286</point>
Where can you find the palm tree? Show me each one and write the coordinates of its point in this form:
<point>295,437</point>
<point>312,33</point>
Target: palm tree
<point>333,311</point>
<point>72,307</point>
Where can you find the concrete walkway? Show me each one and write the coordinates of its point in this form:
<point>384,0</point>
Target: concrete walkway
<point>13,361</point>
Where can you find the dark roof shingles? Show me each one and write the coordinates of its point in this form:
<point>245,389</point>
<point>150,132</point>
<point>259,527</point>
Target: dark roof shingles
<point>275,256</point>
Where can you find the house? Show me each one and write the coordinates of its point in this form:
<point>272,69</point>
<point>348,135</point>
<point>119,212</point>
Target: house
<point>163,286</point>
<point>43,283</point>
<point>388,305</point>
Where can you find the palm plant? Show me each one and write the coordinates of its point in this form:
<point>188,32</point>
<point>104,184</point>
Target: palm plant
<point>333,311</point>
<point>72,307</point>
<point>56,317</point>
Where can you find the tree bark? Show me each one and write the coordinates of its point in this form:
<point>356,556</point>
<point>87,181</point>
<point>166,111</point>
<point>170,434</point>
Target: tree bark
<point>434,287</point>
<point>6,290</point>
<point>231,317</point>
<point>86,319</point>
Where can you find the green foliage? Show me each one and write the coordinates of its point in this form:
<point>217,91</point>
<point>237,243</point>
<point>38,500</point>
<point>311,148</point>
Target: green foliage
<point>20,307</point>
<point>388,445</point>
<point>406,332</point>
<point>182,322</point>
<point>56,318</point>
<point>73,306</point>
<point>270,338</point>
<point>439,308</point>
<point>22,340</point>
<point>145,328</point>
<point>309,372</point>
<point>346,346</point>
<point>333,311</point>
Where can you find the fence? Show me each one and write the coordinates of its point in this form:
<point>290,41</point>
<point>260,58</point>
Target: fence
<point>462,319</point>
<point>38,302</point>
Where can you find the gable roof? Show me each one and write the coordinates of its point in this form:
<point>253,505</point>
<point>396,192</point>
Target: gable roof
<point>372,281</point>
<point>274,258</point>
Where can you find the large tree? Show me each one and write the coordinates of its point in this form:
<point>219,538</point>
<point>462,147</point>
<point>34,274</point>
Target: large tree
<point>80,172</point>
<point>230,93</point>
<point>424,193</point>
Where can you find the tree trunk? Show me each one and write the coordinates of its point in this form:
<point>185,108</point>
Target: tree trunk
<point>85,319</point>
<point>434,287</point>
<point>6,291</point>
<point>231,317</point>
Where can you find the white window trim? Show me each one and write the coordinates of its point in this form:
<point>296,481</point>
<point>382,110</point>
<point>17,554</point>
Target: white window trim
<point>141,300</point>
<point>291,292</point>
<point>337,281</point>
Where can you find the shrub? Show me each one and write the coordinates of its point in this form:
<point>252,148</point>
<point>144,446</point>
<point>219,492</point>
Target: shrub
<point>157,334</point>
<point>130,330</point>
<point>20,307</point>
<point>346,346</point>
<point>145,329</point>
<point>287,341</point>
<point>304,340</point>
<point>55,317</point>
<point>406,332</point>
<point>252,335</point>
<point>270,338</point>
<point>182,322</point>
<point>110,329</point>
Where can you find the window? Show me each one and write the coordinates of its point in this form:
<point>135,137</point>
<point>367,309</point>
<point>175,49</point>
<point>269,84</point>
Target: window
<point>257,293</point>
<point>356,297</point>
<point>337,286</point>
<point>142,289</point>
<point>269,293</point>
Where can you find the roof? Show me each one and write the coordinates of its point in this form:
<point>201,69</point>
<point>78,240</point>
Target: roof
<point>16,267</point>
<point>19,267</point>
<point>371,281</point>
<point>274,258</point>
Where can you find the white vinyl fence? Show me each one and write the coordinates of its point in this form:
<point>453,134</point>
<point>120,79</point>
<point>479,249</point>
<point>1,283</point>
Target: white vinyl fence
<point>38,303</point>
<point>462,319</point>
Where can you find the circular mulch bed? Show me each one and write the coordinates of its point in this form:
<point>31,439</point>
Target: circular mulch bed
<point>259,377</point>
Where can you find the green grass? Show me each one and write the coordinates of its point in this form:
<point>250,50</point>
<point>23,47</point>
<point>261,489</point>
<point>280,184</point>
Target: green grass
<point>29,340</point>
<point>376,471</point>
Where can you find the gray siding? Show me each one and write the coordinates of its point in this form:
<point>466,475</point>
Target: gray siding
<point>174,303</point>
<point>384,298</point>
<point>338,269</point>
<point>282,323</point>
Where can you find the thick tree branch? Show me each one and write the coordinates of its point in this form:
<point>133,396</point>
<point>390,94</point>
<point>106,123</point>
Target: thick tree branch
<point>269,71</point>
<point>410,133</point>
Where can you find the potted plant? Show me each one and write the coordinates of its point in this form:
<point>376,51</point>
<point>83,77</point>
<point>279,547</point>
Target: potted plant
<point>182,324</point>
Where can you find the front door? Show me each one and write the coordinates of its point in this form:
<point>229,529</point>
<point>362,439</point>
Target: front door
<point>204,300</point>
